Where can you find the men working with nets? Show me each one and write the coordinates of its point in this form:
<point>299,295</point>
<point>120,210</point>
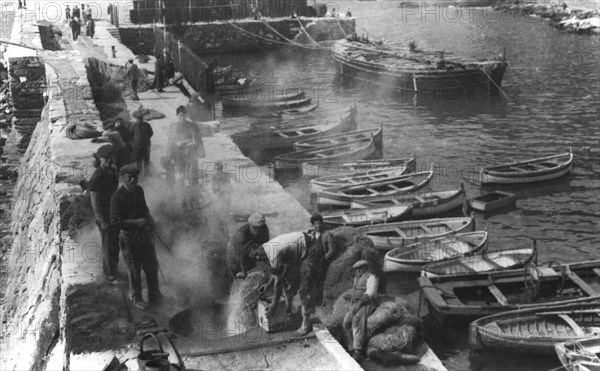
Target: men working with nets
<point>292,257</point>
<point>244,245</point>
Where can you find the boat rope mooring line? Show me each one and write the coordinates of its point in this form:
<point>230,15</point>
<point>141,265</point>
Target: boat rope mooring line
<point>307,34</point>
<point>493,82</point>
<point>558,368</point>
<point>342,28</point>
<point>270,40</point>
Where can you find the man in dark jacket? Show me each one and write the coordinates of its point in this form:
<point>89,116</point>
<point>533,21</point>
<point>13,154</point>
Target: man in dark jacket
<point>129,212</point>
<point>243,247</point>
<point>133,73</point>
<point>102,185</point>
<point>142,132</point>
<point>159,74</point>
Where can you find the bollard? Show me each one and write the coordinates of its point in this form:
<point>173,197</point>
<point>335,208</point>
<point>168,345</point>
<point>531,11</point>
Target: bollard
<point>114,51</point>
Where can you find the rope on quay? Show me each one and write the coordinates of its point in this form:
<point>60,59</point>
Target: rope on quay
<point>82,131</point>
<point>269,40</point>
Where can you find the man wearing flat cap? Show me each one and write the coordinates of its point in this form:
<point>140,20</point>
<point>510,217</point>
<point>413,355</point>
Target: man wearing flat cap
<point>102,185</point>
<point>243,247</point>
<point>363,304</point>
<point>129,213</point>
<point>133,73</point>
<point>324,248</point>
<point>142,132</point>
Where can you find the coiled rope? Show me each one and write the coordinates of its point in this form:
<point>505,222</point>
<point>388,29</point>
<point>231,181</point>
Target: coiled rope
<point>82,131</point>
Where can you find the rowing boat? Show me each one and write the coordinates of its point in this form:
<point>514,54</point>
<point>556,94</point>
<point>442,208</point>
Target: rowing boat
<point>345,137</point>
<point>345,195</point>
<point>424,205</point>
<point>358,217</point>
<point>528,171</point>
<point>247,102</point>
<point>357,177</point>
<point>580,355</point>
<point>413,257</point>
<point>284,137</point>
<point>492,201</point>
<point>412,70</point>
<point>489,261</point>
<point>289,111</point>
<point>358,150</point>
<point>320,168</point>
<point>390,236</point>
<point>536,330</point>
<point>465,297</point>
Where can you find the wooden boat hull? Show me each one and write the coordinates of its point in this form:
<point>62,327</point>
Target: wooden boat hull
<point>357,178</point>
<point>535,330</point>
<point>413,258</point>
<point>424,205</point>
<point>344,137</point>
<point>578,355</point>
<point>283,138</point>
<point>345,195</point>
<point>358,217</point>
<point>385,237</point>
<point>317,169</point>
<point>492,201</point>
<point>489,261</point>
<point>487,76</point>
<point>483,294</point>
<point>349,151</point>
<point>272,103</point>
<point>530,171</point>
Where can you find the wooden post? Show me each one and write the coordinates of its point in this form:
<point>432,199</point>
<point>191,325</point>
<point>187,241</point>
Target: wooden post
<point>160,11</point>
<point>179,52</point>
<point>190,10</point>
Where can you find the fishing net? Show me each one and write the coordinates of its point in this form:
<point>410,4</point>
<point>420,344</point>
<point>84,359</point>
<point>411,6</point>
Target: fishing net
<point>147,114</point>
<point>244,299</point>
<point>82,131</point>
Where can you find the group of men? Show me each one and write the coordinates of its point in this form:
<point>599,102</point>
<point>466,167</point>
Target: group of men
<point>78,19</point>
<point>299,263</point>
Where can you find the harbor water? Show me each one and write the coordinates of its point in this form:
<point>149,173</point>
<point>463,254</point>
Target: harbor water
<point>550,102</point>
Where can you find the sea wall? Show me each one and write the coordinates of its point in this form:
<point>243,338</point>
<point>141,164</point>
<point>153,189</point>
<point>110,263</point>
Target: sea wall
<point>241,36</point>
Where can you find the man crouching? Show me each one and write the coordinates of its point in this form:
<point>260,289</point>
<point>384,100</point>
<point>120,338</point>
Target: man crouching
<point>286,254</point>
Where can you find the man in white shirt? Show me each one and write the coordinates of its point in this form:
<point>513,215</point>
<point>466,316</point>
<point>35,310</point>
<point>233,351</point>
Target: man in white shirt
<point>286,254</point>
<point>363,304</point>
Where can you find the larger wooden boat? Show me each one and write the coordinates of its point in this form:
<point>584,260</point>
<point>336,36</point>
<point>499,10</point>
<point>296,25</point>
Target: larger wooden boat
<point>341,138</point>
<point>358,150</point>
<point>345,195</point>
<point>411,70</point>
<point>320,168</point>
<point>390,236</point>
<point>357,177</point>
<point>580,355</point>
<point>536,330</point>
<point>489,261</point>
<point>412,258</point>
<point>528,171</point>
<point>424,205</point>
<point>467,297</point>
<point>358,217</point>
<point>283,137</point>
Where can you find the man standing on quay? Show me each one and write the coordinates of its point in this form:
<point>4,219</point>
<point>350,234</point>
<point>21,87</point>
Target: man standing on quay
<point>129,212</point>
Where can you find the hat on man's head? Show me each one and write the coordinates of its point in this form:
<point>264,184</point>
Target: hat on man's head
<point>359,264</point>
<point>181,109</point>
<point>130,59</point>
<point>129,169</point>
<point>256,220</point>
<point>105,151</point>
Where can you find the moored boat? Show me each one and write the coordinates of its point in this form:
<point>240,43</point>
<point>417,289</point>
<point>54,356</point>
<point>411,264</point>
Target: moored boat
<point>492,201</point>
<point>390,236</point>
<point>580,355</point>
<point>283,137</point>
<point>320,168</point>
<point>358,217</point>
<point>466,297</point>
<point>488,261</point>
<point>248,102</point>
<point>341,138</point>
<point>413,257</point>
<point>528,171</point>
<point>357,177</point>
<point>427,204</point>
<point>358,150</point>
<point>536,330</point>
<point>411,70</point>
<point>290,111</point>
<point>345,195</point>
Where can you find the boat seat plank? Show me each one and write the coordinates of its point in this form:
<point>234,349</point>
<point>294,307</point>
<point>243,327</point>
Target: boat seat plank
<point>583,285</point>
<point>400,233</point>
<point>578,330</point>
<point>597,271</point>
<point>498,294</point>
<point>420,199</point>
<point>426,229</point>
<point>372,191</point>
<point>393,187</point>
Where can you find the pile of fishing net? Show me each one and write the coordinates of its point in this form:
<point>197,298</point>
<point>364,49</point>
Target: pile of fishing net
<point>395,336</point>
<point>82,130</point>
<point>244,297</point>
<point>147,114</point>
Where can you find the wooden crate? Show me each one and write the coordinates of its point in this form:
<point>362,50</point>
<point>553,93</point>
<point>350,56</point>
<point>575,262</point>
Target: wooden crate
<point>279,322</point>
